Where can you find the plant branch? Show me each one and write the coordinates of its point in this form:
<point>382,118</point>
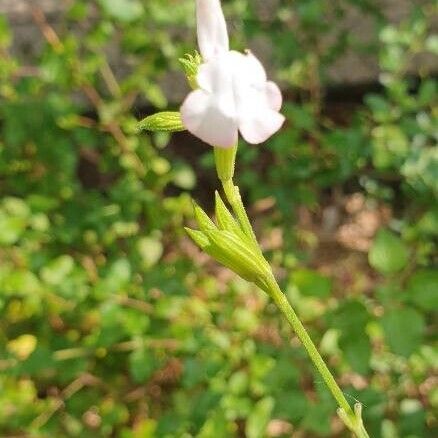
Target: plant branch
<point>352,419</point>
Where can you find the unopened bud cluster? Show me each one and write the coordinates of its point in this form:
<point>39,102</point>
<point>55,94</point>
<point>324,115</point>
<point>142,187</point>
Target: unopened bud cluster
<point>228,244</point>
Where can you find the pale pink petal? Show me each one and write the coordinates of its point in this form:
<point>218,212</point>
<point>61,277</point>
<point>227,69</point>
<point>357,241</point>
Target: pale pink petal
<point>255,72</point>
<point>212,28</point>
<point>216,74</point>
<point>261,124</point>
<point>273,95</point>
<point>203,116</point>
<point>258,120</point>
<point>252,74</point>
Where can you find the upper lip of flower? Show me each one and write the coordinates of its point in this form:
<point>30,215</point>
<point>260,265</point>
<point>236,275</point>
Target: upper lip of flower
<point>211,28</point>
<point>234,94</point>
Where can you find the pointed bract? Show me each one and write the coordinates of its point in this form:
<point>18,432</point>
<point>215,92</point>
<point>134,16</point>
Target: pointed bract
<point>225,219</point>
<point>204,222</point>
<point>246,263</point>
<point>198,237</point>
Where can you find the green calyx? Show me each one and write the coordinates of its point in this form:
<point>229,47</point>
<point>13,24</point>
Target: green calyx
<point>168,121</point>
<point>228,244</point>
<point>191,65</point>
<point>225,160</point>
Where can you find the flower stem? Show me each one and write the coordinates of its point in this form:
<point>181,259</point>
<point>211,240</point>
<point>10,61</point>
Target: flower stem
<point>352,419</point>
<point>283,304</point>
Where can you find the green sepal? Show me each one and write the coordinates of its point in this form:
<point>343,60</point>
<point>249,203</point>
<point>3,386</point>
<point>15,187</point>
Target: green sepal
<point>168,121</point>
<point>225,160</point>
<point>224,218</point>
<point>204,222</point>
<point>198,237</point>
<point>238,257</point>
<point>191,65</point>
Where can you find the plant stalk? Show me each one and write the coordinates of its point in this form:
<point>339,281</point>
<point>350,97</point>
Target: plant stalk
<point>352,419</point>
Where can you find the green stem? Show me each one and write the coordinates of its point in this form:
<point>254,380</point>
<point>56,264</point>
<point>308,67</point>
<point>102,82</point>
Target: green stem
<point>283,304</point>
<point>353,420</point>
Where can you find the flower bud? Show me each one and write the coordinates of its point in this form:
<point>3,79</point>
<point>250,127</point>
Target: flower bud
<point>169,121</point>
<point>232,252</point>
<point>190,65</point>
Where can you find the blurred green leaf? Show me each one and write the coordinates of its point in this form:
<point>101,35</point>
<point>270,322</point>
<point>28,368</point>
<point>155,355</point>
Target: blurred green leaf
<point>404,330</point>
<point>423,289</point>
<point>258,419</point>
<point>56,272</point>
<point>311,283</point>
<point>388,253</point>
<point>184,177</point>
<point>141,365</point>
<point>123,10</point>
<point>150,249</point>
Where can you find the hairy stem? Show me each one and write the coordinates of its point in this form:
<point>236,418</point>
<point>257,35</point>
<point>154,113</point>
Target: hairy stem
<point>352,419</point>
<point>283,304</point>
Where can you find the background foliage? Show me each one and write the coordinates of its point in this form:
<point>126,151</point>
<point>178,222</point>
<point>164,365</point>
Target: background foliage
<point>113,324</point>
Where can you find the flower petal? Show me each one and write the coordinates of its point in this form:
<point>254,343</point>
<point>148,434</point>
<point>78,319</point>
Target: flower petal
<point>253,69</point>
<point>216,75</point>
<point>204,117</point>
<point>273,95</point>
<point>212,28</point>
<point>258,125</point>
<point>257,102</point>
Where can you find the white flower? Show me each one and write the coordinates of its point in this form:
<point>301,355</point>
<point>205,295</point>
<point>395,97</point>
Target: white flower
<point>234,93</point>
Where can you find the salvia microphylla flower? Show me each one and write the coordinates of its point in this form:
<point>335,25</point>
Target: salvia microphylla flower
<point>234,93</point>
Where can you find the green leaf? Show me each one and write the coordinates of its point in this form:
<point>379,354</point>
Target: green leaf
<point>318,418</point>
<point>291,404</point>
<point>388,253</point>
<point>238,382</point>
<point>259,418</point>
<point>217,426</point>
<point>184,177</point>
<point>357,351</point>
<point>427,92</point>
<point>351,318</point>
<point>311,283</point>
<point>423,289</point>
<point>403,330</point>
<point>122,10</point>
<point>11,228</point>
<point>150,249</point>
<point>141,365</point>
<point>57,270</point>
